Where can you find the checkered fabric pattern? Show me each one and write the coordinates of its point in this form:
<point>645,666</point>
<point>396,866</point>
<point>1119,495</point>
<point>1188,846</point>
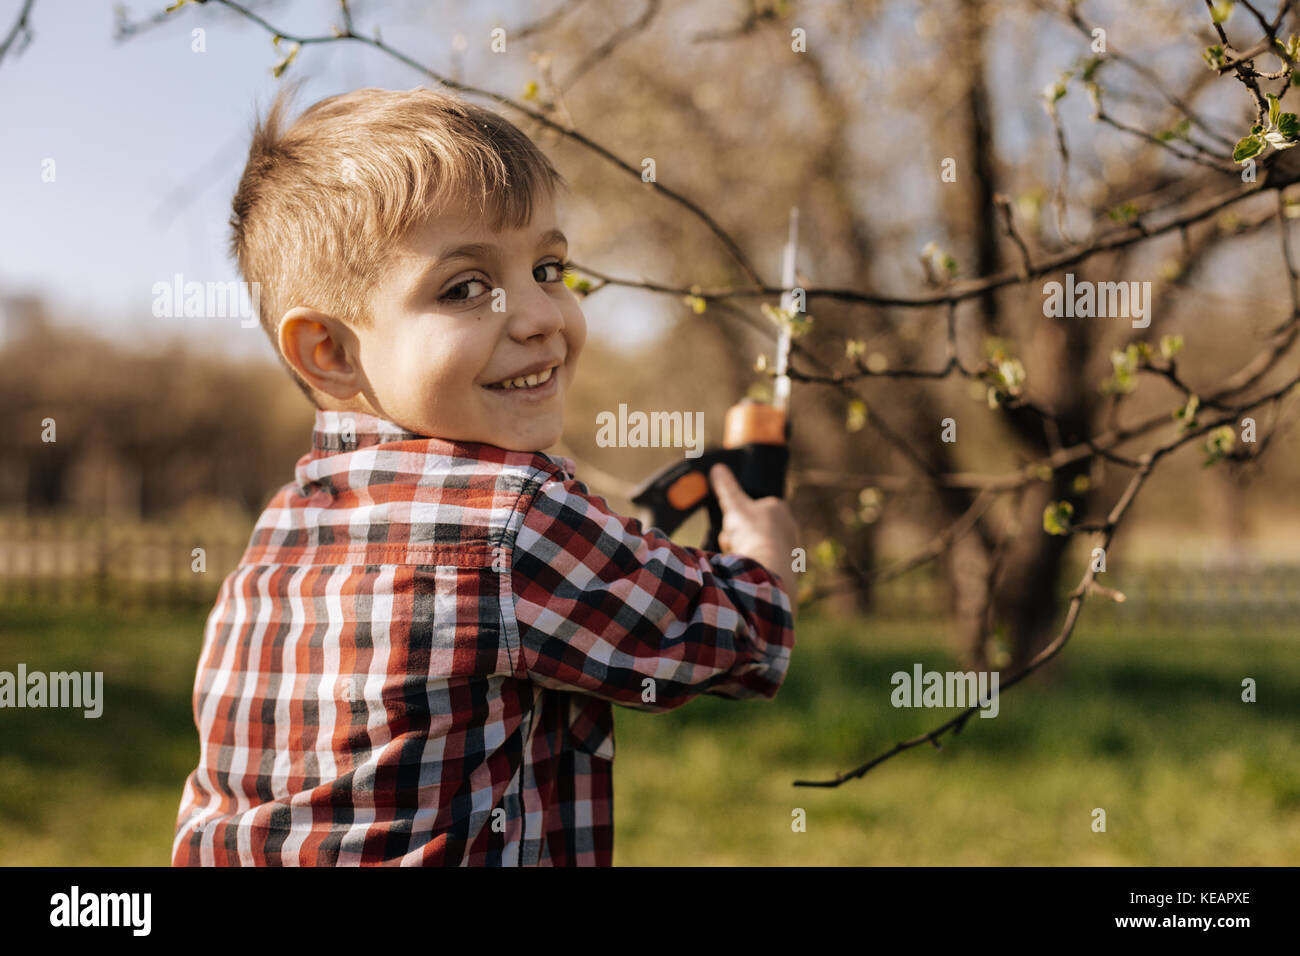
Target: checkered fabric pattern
<point>415,661</point>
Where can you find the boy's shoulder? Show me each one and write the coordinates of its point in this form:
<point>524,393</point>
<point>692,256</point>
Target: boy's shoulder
<point>370,489</point>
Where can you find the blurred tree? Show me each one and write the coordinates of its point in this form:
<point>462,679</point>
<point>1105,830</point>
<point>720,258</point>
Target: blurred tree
<point>938,198</point>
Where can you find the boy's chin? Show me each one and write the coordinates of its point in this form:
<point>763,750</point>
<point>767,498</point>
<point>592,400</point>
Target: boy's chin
<point>529,440</point>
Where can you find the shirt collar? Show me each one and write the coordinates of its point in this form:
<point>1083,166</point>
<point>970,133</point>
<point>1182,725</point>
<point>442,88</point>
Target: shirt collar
<point>348,431</point>
<point>340,432</point>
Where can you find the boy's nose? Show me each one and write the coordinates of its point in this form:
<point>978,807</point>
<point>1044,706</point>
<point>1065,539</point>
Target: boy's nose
<point>531,313</point>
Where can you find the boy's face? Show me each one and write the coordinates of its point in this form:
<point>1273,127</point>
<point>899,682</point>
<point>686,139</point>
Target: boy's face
<point>438,351</point>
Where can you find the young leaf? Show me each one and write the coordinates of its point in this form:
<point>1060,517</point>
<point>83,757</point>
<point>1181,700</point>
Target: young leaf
<point>1178,131</point>
<point>1247,148</point>
<point>1279,140</point>
<point>1056,517</point>
<point>797,322</point>
<point>1012,373</point>
<point>582,286</point>
<point>1186,416</point>
<point>1125,212</point>
<point>278,70</point>
<point>1125,378</point>
<point>828,553</point>
<point>1094,96</point>
<point>1218,443</point>
<point>870,504</point>
<point>857,416</point>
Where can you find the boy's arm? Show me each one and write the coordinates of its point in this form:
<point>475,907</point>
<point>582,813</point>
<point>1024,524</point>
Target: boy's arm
<point>609,609</point>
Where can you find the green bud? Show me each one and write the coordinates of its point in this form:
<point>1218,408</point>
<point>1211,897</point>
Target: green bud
<point>1056,517</point>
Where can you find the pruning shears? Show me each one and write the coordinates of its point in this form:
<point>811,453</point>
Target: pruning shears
<point>756,441</point>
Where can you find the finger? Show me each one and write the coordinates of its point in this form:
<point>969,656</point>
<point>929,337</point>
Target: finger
<point>727,488</point>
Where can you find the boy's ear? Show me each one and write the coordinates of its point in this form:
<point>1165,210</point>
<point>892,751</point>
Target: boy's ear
<point>323,351</point>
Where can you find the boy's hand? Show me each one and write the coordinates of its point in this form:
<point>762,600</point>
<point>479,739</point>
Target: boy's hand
<point>762,529</point>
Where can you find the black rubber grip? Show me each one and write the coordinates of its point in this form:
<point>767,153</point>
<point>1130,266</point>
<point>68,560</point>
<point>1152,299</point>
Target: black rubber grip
<point>760,469</point>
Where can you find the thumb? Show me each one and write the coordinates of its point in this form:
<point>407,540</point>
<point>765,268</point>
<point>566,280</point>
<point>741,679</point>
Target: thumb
<point>727,488</point>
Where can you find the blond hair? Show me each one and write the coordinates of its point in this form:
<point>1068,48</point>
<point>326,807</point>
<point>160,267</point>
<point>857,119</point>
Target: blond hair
<point>322,202</point>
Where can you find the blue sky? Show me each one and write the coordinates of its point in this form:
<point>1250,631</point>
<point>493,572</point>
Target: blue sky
<point>148,139</point>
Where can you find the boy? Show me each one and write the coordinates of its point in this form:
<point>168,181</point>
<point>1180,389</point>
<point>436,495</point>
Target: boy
<point>415,660</point>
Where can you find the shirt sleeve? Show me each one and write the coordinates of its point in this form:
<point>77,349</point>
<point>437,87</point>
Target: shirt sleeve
<point>609,609</point>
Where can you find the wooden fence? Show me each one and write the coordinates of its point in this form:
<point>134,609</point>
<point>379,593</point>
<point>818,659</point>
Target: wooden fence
<point>61,560</point>
<point>1175,590</point>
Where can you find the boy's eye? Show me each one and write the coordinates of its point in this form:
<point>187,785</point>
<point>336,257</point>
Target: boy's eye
<point>462,292</point>
<point>551,271</point>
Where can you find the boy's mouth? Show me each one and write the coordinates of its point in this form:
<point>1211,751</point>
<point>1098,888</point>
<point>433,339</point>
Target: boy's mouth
<point>530,382</point>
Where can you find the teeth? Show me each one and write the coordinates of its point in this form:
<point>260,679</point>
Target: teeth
<point>526,381</point>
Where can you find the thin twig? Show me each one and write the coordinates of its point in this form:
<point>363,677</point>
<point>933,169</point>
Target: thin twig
<point>1085,586</point>
<point>20,26</point>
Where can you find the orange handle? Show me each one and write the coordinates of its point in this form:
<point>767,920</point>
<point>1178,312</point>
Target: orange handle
<point>753,423</point>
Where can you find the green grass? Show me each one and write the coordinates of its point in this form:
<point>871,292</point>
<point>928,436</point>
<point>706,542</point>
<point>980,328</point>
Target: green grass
<point>104,791</point>
<point>1148,726</point>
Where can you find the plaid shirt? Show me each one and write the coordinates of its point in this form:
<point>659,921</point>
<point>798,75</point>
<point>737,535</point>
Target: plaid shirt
<point>415,660</point>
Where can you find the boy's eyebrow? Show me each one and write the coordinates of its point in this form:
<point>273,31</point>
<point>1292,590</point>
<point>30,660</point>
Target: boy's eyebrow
<point>554,236</point>
<point>476,250</point>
